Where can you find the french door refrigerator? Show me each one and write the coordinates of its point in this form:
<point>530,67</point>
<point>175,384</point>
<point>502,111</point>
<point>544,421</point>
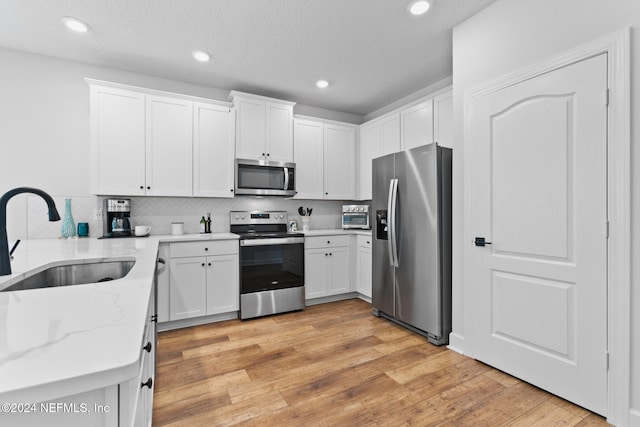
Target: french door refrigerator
<point>412,240</point>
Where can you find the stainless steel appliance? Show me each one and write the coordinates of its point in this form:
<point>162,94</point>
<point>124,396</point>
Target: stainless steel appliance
<point>265,178</point>
<point>271,264</point>
<point>412,240</point>
<point>355,216</point>
<point>116,218</point>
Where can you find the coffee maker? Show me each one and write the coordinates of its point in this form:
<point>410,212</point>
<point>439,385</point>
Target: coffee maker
<point>116,218</point>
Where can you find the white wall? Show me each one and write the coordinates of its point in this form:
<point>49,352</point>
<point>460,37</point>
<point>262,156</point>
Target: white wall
<point>44,141</point>
<point>510,35</point>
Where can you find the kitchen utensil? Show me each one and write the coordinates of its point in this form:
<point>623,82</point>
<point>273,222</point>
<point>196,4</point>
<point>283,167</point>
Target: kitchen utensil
<point>309,210</point>
<point>142,230</point>
<point>301,211</point>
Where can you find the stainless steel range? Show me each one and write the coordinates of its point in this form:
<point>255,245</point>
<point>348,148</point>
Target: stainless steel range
<point>271,263</point>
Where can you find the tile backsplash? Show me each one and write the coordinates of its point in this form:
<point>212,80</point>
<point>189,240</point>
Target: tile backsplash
<point>160,212</point>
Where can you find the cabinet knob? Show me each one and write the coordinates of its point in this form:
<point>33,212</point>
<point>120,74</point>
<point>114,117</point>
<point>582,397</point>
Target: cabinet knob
<point>209,264</point>
<point>203,264</point>
<point>206,249</point>
<point>330,254</point>
<point>326,194</point>
<point>148,383</point>
<point>231,190</point>
<point>368,242</point>
<point>267,154</point>
<point>147,347</point>
<point>328,242</point>
<point>263,154</point>
<point>142,187</point>
<point>148,188</point>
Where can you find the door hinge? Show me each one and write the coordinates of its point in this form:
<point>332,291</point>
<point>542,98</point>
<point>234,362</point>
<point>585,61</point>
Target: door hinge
<point>606,360</point>
<point>606,97</point>
<point>605,228</point>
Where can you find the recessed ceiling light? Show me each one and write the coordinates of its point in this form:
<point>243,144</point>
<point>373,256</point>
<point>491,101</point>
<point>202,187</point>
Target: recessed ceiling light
<point>201,56</point>
<point>322,84</point>
<point>419,7</point>
<point>74,24</point>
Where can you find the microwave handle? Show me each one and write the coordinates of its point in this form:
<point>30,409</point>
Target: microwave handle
<point>286,179</point>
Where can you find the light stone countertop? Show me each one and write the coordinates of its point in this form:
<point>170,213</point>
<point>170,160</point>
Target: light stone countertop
<point>56,342</point>
<point>336,232</point>
<point>172,238</point>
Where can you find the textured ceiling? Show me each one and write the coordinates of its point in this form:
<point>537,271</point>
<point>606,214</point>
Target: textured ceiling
<point>372,51</point>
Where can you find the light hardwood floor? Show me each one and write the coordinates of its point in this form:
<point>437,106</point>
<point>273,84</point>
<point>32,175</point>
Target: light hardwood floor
<point>337,365</point>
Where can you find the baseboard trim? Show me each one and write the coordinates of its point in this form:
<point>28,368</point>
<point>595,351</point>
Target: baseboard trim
<point>456,343</point>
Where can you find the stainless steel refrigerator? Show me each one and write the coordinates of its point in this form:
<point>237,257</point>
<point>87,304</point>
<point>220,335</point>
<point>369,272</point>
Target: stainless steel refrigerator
<point>412,240</point>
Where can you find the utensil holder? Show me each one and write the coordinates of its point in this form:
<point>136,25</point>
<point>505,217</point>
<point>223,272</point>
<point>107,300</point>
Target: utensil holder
<point>305,223</point>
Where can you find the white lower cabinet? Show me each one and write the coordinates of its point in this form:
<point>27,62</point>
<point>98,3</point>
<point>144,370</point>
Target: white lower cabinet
<point>326,266</point>
<point>363,265</point>
<point>204,279</point>
<point>128,404</point>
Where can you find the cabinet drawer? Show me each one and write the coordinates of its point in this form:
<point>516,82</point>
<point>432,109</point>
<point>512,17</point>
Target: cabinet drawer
<point>364,241</point>
<point>326,241</point>
<point>189,249</point>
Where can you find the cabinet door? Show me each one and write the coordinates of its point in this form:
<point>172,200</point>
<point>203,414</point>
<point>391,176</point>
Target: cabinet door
<point>443,119</point>
<point>187,288</point>
<point>338,271</point>
<point>279,132</point>
<point>370,148</point>
<point>223,292</point>
<point>416,125</point>
<point>339,162</point>
<point>250,129</point>
<point>390,129</point>
<point>315,274</point>
<point>169,158</point>
<point>308,152</point>
<point>364,271</point>
<point>213,150</point>
<point>117,141</point>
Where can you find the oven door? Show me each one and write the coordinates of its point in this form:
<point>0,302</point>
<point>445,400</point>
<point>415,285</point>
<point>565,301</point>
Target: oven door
<point>271,264</point>
<point>355,220</point>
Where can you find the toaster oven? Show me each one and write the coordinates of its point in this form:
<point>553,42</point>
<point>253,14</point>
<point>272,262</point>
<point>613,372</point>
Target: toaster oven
<point>355,216</point>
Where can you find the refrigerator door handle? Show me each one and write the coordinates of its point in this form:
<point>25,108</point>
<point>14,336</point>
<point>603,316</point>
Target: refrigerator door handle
<point>390,222</point>
<point>393,234</point>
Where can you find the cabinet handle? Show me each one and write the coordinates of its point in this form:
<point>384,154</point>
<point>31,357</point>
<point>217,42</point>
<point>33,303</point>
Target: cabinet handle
<point>263,154</point>
<point>209,264</point>
<point>231,190</point>
<point>142,187</point>
<point>330,254</point>
<point>148,383</point>
<point>206,249</point>
<point>368,242</point>
<point>203,264</point>
<point>147,347</point>
<point>328,242</point>
<point>326,194</point>
<point>268,154</point>
<point>148,188</point>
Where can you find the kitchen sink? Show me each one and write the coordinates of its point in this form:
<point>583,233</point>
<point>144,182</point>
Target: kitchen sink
<point>74,274</point>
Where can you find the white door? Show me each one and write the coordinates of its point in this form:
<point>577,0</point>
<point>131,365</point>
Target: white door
<point>538,188</point>
<point>416,125</point>
<point>370,148</point>
<point>308,152</point>
<point>169,156</point>
<point>213,150</point>
<point>339,161</point>
<point>187,288</point>
<point>279,122</point>
<point>222,284</point>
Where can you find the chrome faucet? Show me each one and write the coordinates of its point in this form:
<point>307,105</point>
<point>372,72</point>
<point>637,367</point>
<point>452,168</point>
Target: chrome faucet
<point>5,261</point>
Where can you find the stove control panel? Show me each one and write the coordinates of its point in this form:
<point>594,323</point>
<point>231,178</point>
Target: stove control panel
<point>258,217</point>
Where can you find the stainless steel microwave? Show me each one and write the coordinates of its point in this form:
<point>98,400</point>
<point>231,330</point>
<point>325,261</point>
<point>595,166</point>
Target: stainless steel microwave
<point>265,178</point>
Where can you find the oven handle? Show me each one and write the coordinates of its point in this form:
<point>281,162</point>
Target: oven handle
<point>272,242</point>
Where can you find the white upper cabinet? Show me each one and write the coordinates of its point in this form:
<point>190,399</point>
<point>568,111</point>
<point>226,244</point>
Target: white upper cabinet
<point>443,119</point>
<point>213,150</point>
<point>264,128</point>
<point>308,155</point>
<point>159,144</point>
<point>325,157</point>
<point>339,162</point>
<point>169,146</point>
<point>390,133</point>
<point>117,123</point>
<point>416,125</point>
<point>377,138</point>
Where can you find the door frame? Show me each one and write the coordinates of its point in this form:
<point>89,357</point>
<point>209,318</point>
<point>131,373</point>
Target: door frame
<point>617,46</point>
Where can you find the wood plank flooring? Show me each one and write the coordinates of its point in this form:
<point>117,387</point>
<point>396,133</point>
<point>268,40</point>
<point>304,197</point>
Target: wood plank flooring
<point>337,365</point>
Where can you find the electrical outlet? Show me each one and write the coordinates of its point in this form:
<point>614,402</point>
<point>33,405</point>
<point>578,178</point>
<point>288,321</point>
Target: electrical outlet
<point>97,214</point>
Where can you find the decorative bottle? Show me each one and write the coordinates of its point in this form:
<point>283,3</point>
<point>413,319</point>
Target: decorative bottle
<point>68,225</point>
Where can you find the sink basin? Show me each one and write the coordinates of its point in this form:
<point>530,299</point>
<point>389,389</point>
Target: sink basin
<point>74,274</point>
